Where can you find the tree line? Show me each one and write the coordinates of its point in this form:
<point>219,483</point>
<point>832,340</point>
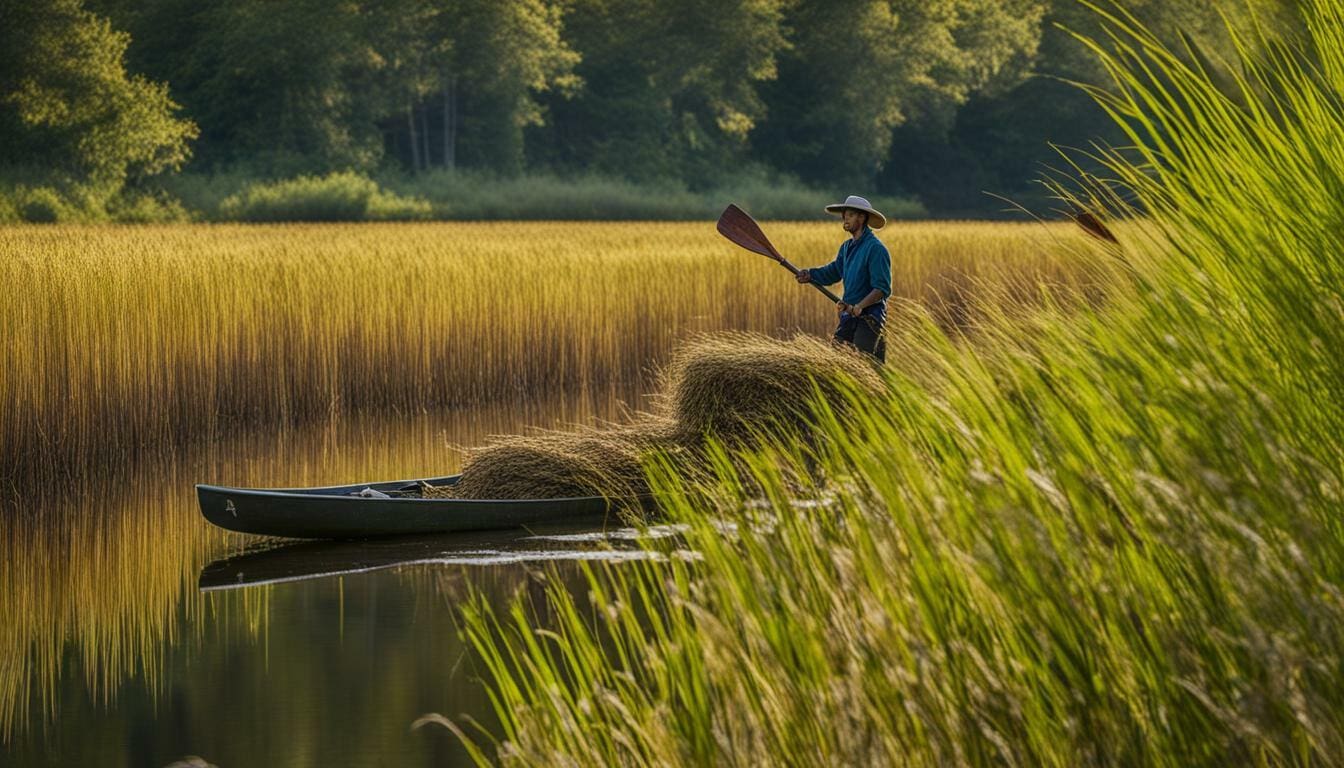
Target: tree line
<point>936,99</point>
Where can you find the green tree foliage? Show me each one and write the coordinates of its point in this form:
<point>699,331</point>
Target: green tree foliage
<point>857,69</point>
<point>500,57</point>
<point>935,99</point>
<point>273,84</point>
<point>68,106</point>
<point>670,89</point>
<point>1001,140</point>
<point>314,86</point>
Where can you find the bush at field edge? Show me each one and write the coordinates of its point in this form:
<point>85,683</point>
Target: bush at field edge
<point>340,196</point>
<point>466,195</point>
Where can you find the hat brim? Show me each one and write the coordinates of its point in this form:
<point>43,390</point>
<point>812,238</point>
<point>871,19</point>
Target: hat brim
<point>875,219</point>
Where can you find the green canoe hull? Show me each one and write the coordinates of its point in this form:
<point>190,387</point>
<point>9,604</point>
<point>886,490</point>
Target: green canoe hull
<point>334,512</point>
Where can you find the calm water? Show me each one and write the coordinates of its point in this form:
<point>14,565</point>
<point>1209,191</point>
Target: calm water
<point>132,633</point>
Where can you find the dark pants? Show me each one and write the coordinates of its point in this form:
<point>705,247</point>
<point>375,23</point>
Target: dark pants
<point>865,332</point>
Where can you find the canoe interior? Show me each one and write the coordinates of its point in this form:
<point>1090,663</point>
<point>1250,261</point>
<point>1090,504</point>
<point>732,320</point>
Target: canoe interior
<point>383,486</point>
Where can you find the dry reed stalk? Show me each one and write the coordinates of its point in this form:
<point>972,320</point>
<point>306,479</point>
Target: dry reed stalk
<point>122,337</point>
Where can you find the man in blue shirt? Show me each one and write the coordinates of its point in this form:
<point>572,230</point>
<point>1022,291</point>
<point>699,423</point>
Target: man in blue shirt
<point>865,266</point>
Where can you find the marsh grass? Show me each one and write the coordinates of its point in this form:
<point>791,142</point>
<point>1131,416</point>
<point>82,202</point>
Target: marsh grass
<point>119,338</point>
<point>1103,538</point>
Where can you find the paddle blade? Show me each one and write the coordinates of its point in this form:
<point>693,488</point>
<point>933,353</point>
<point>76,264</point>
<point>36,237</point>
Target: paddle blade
<point>1089,222</point>
<point>736,225</point>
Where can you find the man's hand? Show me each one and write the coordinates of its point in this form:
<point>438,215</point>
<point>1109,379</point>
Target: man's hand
<point>803,276</point>
<point>841,308</point>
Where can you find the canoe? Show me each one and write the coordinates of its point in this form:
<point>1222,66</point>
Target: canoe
<point>304,560</point>
<point>339,512</point>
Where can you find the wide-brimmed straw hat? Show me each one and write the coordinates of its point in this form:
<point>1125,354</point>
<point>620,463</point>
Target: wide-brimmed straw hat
<point>875,219</point>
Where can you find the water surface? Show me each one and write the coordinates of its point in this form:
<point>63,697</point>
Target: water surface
<point>132,633</point>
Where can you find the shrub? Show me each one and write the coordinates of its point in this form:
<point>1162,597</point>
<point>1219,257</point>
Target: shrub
<point>771,196</point>
<point>27,199</point>
<point>343,196</point>
<point>464,195</point>
<point>203,193</point>
<point>471,196</point>
<point>147,209</point>
<point>42,205</point>
<point>9,210</point>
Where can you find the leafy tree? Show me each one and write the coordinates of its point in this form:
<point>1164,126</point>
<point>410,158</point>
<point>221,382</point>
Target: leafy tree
<point>1000,141</point>
<point>938,98</point>
<point>670,88</point>
<point>314,86</point>
<point>269,82</point>
<point>68,105</point>
<point>407,54</point>
<point>860,68</point>
<point>498,58</point>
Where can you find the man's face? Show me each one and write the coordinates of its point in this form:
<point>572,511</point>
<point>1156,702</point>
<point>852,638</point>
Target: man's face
<point>853,220</point>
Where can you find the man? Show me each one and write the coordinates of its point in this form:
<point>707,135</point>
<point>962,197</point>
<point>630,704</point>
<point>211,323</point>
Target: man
<point>865,266</point>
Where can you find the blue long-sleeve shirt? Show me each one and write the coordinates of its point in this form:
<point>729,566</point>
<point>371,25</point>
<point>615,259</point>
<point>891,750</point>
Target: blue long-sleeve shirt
<point>863,264</point>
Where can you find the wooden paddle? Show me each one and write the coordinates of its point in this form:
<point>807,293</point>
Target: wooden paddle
<point>1093,226</point>
<point>738,226</point>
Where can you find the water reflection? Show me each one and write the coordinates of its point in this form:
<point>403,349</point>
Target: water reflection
<point>324,559</point>
<point>111,655</point>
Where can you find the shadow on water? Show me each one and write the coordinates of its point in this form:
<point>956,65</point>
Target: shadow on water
<point>120,645</point>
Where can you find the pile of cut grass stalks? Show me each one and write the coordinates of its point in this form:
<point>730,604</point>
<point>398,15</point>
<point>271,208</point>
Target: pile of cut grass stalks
<point>738,388</point>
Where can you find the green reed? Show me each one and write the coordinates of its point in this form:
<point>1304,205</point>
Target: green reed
<point>1104,538</point>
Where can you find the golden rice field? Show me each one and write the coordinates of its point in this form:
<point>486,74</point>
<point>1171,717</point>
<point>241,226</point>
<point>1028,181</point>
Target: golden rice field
<point>117,338</point>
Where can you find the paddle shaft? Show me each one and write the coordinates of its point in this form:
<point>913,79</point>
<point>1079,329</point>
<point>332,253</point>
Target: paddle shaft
<point>824,290</point>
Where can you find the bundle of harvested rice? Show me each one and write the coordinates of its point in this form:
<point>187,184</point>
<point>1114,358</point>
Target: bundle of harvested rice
<point>736,385</point>
<point>588,462</point>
